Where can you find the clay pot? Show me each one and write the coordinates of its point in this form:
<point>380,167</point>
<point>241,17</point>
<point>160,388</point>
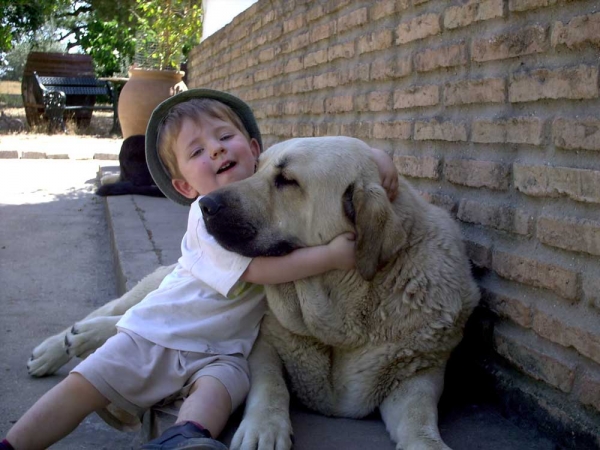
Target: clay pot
<point>144,90</point>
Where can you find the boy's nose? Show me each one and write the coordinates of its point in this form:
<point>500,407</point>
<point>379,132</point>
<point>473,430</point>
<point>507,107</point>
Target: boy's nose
<point>216,151</point>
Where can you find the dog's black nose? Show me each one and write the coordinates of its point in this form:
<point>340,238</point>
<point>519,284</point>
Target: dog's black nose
<point>209,206</point>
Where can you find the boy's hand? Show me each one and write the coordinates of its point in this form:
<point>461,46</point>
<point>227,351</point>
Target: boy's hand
<point>387,172</point>
<point>342,253</point>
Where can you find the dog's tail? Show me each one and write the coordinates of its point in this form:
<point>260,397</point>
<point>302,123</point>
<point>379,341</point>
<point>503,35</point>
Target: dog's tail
<point>126,188</point>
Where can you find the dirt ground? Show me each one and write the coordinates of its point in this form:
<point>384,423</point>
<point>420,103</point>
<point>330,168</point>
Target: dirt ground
<point>13,121</point>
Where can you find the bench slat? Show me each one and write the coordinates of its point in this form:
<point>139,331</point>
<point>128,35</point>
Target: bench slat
<point>71,81</point>
<point>78,90</point>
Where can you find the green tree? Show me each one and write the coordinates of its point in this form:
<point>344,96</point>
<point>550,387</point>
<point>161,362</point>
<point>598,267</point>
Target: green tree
<point>104,29</point>
<point>14,61</point>
<point>167,31</point>
<point>20,19</point>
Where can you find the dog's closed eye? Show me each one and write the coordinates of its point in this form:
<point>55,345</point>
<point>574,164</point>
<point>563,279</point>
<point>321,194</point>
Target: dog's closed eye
<point>281,181</point>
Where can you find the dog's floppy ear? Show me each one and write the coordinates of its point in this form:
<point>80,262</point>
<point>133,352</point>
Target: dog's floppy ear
<point>379,234</point>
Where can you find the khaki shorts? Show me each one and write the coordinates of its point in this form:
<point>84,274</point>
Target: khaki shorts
<point>135,374</point>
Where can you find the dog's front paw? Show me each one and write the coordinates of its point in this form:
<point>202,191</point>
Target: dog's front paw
<point>48,357</point>
<point>86,336</point>
<point>263,431</point>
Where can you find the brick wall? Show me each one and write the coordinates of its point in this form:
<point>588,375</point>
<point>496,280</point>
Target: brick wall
<point>491,109</point>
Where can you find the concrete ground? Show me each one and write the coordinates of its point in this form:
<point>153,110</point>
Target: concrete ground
<point>64,252</point>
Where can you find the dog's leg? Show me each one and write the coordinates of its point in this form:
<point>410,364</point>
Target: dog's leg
<point>90,333</point>
<point>86,336</point>
<point>410,412</point>
<point>111,178</point>
<point>266,423</point>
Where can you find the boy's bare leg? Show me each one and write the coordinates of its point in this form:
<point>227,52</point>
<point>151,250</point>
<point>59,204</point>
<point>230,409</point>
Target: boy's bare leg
<point>208,404</point>
<point>56,413</point>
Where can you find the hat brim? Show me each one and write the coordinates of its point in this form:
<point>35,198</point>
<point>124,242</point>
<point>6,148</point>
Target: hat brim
<point>159,172</point>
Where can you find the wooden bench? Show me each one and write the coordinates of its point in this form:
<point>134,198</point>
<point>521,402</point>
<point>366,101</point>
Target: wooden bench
<point>54,91</point>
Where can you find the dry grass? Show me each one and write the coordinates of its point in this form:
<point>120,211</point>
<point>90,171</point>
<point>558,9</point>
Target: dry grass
<point>10,87</point>
<point>14,121</point>
<point>100,125</point>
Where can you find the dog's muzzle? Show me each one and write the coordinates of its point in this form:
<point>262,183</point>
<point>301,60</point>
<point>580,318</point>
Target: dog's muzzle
<point>224,218</point>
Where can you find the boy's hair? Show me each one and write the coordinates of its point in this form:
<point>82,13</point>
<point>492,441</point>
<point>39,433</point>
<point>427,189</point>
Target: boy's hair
<point>192,109</point>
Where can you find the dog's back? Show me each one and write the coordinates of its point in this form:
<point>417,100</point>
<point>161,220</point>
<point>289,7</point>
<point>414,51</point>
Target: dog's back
<point>135,177</point>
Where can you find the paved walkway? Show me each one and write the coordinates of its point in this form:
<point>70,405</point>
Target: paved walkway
<point>40,146</point>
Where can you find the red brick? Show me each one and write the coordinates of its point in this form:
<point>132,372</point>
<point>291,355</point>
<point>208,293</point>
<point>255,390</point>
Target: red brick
<point>545,181</point>
<point>326,80</point>
<point>315,13</point>
<point>490,90</point>
<point>417,96</point>
<point>574,234</point>
<point>529,40</point>
<point>591,289</point>
<point>440,131</point>
<point>524,5</point>
<point>474,11</point>
<point>351,20</point>
<point>296,43</point>
<point>378,40</point>
<point>315,58</point>
<point>266,55</point>
<point>343,103</point>
<point>500,217</point>
<point>294,23</point>
<point>588,391</point>
<point>398,129</point>
<point>579,82</point>
<point>559,326</point>
<point>354,73</point>
<point>559,280</point>
<point>578,32</point>
<point>476,173</point>
<point>535,357</point>
<point>345,50</point>
<point>432,59</point>
<point>517,130</point>
<point>320,32</point>
<point>293,65</point>
<point>418,28</point>
<point>385,69</point>
<point>302,85</point>
<point>513,306</point>
<point>386,8</point>
<point>418,166</point>
<point>576,134</point>
<point>361,130</point>
<point>302,129</point>
<point>373,101</point>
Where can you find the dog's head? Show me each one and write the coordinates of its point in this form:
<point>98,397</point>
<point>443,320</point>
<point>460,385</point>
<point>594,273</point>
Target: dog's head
<point>305,192</point>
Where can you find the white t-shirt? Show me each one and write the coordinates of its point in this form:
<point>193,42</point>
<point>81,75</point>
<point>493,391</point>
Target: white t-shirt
<point>201,306</point>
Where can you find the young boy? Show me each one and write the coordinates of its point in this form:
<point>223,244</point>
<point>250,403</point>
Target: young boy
<point>191,337</point>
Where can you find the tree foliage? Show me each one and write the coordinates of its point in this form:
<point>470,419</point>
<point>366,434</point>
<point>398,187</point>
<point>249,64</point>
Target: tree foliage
<point>20,19</point>
<point>110,31</point>
<point>166,31</point>
<point>104,29</point>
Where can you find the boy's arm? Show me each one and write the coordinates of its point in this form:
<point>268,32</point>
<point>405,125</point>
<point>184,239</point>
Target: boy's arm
<point>302,263</point>
<point>387,172</point>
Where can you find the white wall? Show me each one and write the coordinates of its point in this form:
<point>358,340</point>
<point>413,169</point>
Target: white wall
<point>218,13</point>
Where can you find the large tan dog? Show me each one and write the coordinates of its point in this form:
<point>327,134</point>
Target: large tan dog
<point>349,342</point>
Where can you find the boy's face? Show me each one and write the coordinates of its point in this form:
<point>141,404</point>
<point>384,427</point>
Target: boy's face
<point>212,154</point>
